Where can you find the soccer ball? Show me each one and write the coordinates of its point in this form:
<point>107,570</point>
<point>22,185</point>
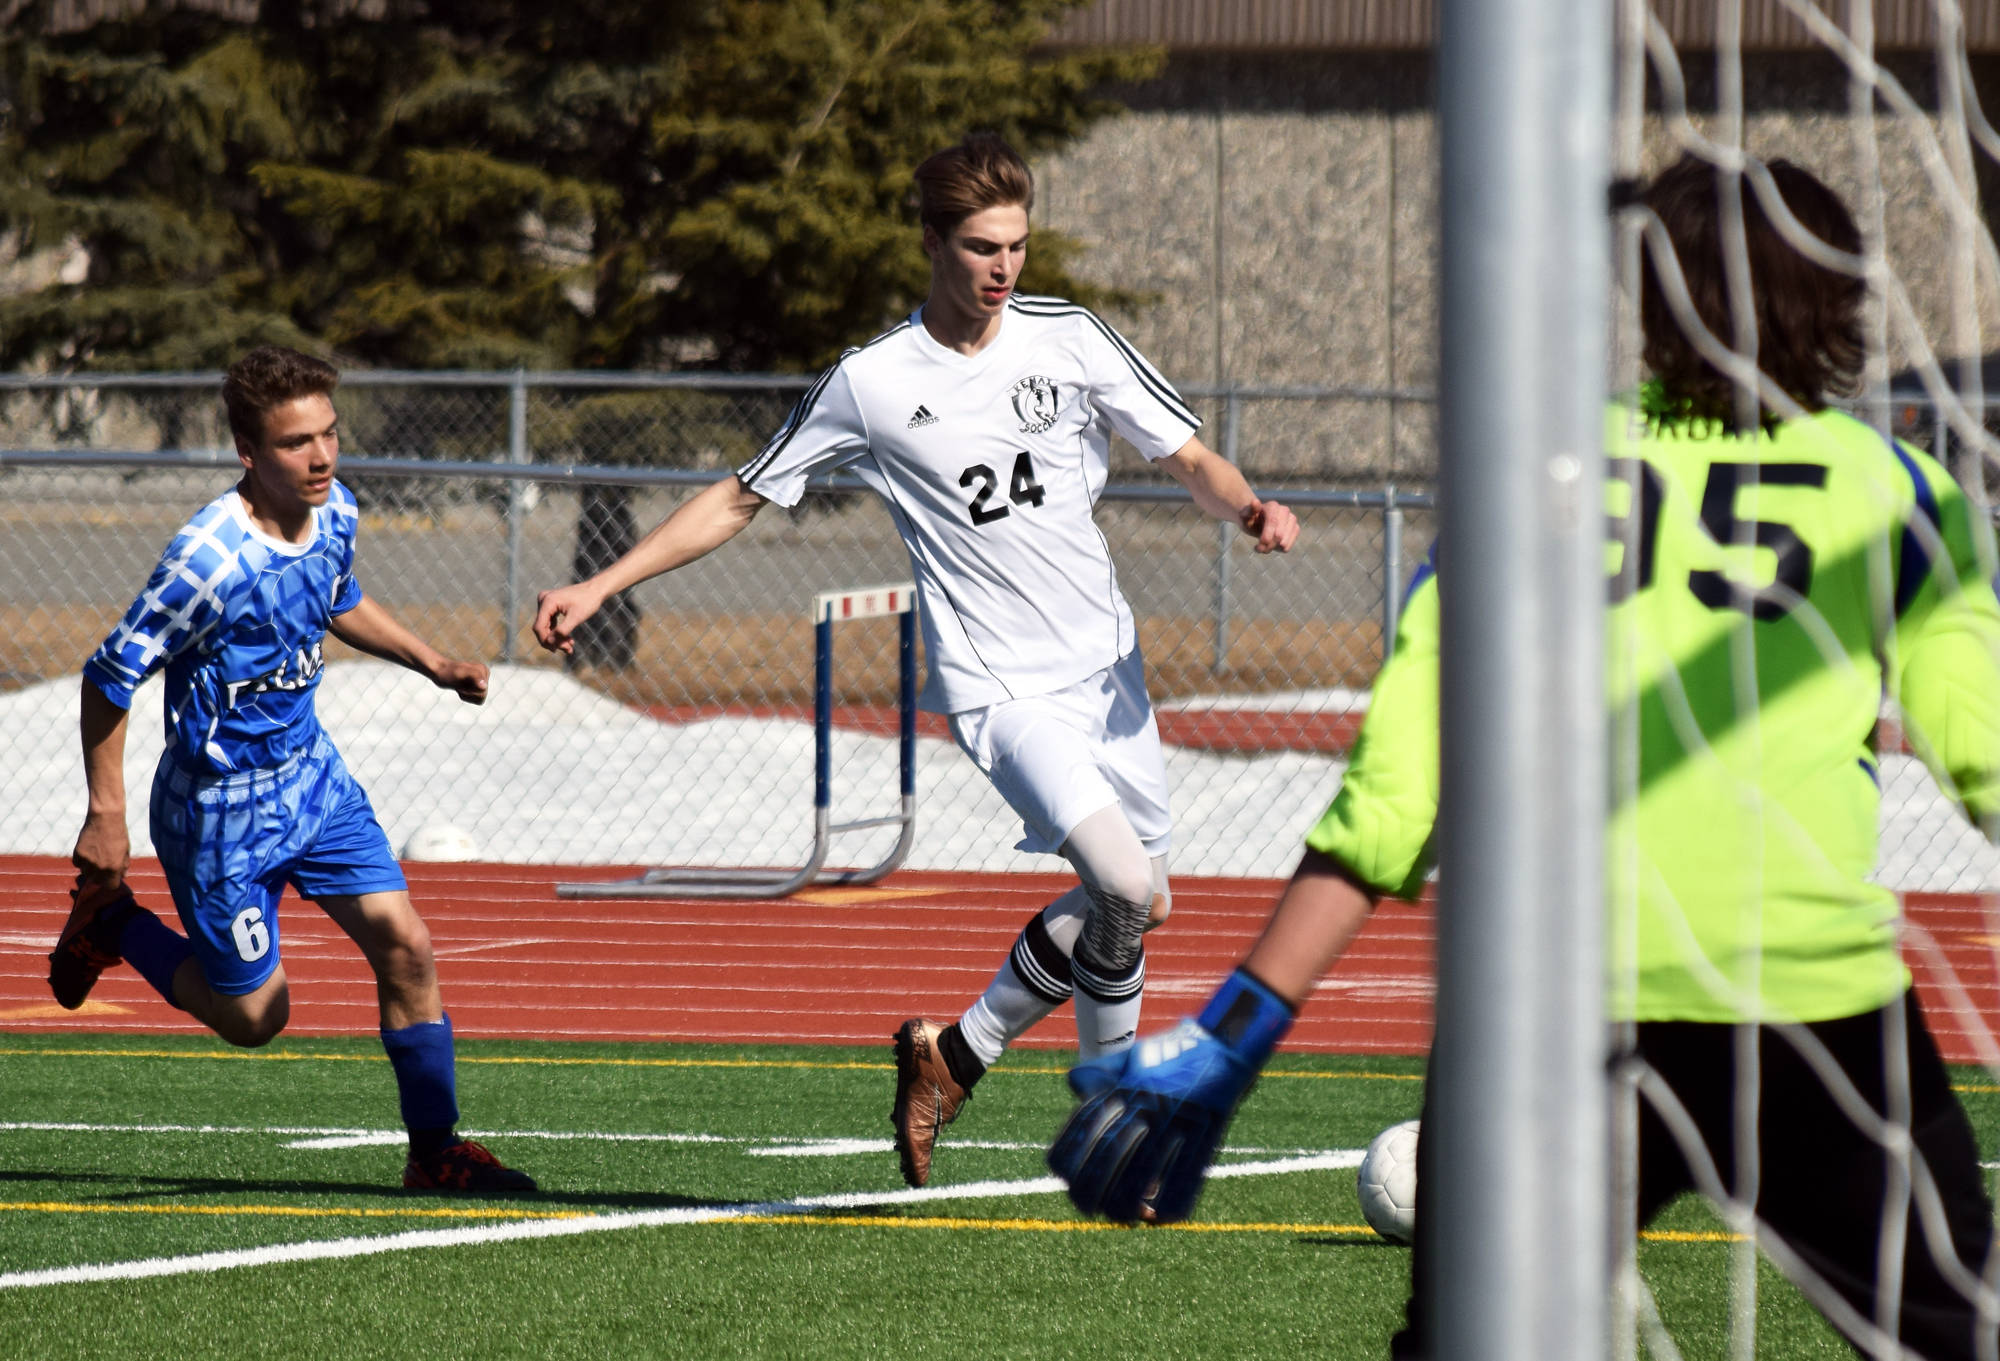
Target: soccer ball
<point>1387,1183</point>
<point>440,842</point>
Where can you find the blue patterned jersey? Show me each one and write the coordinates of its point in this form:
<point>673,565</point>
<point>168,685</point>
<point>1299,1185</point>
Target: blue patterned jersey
<point>236,617</point>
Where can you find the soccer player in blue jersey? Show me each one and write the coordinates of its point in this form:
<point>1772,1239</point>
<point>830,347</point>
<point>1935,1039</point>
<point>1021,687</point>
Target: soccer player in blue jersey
<point>250,794</point>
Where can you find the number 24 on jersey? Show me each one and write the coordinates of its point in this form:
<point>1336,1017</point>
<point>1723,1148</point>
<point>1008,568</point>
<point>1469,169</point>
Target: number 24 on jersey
<point>1022,489</point>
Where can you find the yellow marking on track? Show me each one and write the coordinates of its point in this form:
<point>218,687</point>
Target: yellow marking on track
<point>1690,1236</point>
<point>849,897</point>
<point>287,1211</point>
<point>40,1011</point>
<point>538,1061</point>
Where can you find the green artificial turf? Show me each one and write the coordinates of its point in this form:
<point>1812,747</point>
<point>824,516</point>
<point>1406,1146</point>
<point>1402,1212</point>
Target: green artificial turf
<point>187,1151</point>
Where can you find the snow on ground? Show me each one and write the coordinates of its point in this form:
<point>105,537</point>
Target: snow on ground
<point>550,772</point>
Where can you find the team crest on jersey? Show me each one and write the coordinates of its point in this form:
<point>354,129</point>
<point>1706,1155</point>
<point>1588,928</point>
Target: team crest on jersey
<point>1036,402</point>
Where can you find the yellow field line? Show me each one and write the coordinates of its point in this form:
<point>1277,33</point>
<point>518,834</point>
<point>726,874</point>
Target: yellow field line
<point>551,1062</point>
<point>815,1065</point>
<point>814,1220</point>
<point>529,1060</point>
<point>1034,1225</point>
<point>1095,1226</point>
<point>288,1211</point>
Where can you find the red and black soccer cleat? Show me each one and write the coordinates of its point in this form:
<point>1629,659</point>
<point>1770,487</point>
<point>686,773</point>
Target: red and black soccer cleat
<point>88,944</point>
<point>464,1167</point>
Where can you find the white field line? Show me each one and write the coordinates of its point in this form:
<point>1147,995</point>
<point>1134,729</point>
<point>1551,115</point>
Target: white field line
<point>471,1236</point>
<point>761,1145</point>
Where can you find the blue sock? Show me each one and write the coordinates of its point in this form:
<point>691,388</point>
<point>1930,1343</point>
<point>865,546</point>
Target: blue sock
<point>426,1079</point>
<point>155,950</point>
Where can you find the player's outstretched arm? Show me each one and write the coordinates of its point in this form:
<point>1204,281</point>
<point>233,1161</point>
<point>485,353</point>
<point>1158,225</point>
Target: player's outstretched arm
<point>1152,1117</point>
<point>372,629</point>
<point>103,848</point>
<point>1219,488</point>
<point>699,527</point>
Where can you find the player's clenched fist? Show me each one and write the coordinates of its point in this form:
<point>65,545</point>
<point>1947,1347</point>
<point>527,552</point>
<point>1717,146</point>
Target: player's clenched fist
<point>103,848</point>
<point>558,612</point>
<point>1153,1116</point>
<point>467,678</point>
<point>1272,523</point>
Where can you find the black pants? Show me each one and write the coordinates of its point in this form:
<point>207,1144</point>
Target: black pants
<point>1822,1180</point>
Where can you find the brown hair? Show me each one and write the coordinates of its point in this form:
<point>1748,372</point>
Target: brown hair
<point>980,172</point>
<point>1809,330</point>
<point>267,378</point>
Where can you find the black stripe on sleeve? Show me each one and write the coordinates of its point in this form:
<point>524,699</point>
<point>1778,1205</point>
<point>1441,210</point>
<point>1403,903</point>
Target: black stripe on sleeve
<point>800,411</point>
<point>1148,377</point>
<point>803,410</point>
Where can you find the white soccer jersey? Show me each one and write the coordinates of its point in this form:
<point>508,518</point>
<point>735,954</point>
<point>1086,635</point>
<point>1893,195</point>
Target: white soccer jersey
<point>990,464</point>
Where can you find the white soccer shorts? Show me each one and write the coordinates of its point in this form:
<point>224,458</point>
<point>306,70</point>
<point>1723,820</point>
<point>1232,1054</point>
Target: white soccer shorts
<point>1058,758</point>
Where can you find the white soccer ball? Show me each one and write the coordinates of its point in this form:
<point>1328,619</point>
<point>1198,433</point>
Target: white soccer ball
<point>440,842</point>
<point>1387,1183</point>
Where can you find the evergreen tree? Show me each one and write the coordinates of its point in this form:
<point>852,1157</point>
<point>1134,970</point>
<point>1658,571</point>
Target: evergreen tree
<point>470,183</point>
<point>480,184</point>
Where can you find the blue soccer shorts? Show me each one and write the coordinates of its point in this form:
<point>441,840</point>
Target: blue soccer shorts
<point>230,843</point>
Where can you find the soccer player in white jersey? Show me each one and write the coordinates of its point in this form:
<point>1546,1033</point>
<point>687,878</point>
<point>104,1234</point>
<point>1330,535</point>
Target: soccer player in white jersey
<point>983,421</point>
<point>250,794</point>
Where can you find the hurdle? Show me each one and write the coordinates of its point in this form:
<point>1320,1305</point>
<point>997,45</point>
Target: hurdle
<point>829,608</point>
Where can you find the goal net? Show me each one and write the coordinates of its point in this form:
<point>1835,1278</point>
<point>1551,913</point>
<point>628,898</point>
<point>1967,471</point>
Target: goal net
<point>1887,105</point>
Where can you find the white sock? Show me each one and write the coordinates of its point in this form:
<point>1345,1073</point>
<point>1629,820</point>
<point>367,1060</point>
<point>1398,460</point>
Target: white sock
<point>1031,984</point>
<point>1107,1027</point>
<point>1120,883</point>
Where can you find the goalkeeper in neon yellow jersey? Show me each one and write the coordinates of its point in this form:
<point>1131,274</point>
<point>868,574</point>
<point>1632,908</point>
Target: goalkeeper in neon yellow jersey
<point>1851,566</point>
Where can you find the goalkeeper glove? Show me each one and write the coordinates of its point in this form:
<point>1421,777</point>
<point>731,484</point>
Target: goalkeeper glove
<point>1153,1115</point>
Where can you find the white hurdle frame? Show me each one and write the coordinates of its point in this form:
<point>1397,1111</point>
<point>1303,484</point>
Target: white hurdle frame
<point>829,608</point>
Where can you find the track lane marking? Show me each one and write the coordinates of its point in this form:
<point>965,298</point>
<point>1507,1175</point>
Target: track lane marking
<point>49,1011</point>
<point>487,946</point>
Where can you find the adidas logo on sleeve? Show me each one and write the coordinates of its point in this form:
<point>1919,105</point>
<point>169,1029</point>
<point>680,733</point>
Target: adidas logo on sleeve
<point>920,418</point>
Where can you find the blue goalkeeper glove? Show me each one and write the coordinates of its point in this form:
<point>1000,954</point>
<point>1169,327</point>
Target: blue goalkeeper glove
<point>1153,1116</point>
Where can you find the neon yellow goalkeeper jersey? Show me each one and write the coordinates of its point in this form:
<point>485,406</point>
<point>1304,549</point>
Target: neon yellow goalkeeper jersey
<point>1833,566</point>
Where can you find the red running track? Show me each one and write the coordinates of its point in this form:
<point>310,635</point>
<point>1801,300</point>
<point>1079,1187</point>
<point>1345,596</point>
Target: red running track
<point>831,966</point>
<point>1236,731</point>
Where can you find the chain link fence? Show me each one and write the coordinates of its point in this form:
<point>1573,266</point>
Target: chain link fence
<point>682,735</point>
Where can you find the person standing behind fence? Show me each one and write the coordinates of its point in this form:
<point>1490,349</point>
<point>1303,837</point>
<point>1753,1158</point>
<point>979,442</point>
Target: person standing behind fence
<point>1840,566</point>
<point>983,421</point>
<point>250,793</point>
